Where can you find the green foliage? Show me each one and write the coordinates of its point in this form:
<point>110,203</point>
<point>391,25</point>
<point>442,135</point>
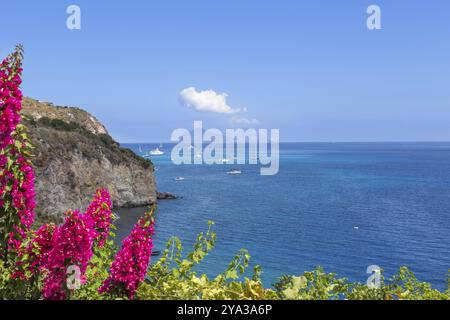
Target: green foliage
<point>97,271</point>
<point>17,289</point>
<point>58,124</point>
<point>62,137</point>
<point>315,285</point>
<point>174,277</point>
<point>9,216</point>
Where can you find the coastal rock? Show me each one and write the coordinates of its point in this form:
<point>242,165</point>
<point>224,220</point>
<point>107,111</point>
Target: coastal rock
<point>166,196</point>
<point>74,155</point>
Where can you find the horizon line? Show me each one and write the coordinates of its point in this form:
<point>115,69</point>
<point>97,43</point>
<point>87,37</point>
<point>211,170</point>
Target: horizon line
<point>393,141</point>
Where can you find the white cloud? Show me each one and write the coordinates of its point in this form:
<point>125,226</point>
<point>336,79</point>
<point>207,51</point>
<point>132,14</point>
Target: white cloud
<point>243,120</point>
<point>207,101</point>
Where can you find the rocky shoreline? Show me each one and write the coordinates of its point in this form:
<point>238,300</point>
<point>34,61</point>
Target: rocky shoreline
<point>166,196</point>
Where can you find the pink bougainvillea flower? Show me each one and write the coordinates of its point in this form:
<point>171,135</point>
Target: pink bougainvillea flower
<point>131,262</point>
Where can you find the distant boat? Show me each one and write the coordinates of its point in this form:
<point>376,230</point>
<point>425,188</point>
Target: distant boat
<point>234,172</point>
<point>140,149</point>
<point>179,179</point>
<point>226,160</point>
<point>156,152</point>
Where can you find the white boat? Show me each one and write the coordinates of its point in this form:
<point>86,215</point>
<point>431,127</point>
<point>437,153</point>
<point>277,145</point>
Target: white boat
<point>234,172</point>
<point>156,152</point>
<point>179,179</point>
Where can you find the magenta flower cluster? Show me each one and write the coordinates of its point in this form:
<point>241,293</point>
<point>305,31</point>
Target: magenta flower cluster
<point>53,249</point>
<point>10,100</point>
<point>37,253</point>
<point>131,263</point>
<point>72,245</point>
<point>40,247</point>
<point>49,251</point>
<point>23,193</point>
<point>16,173</point>
<point>73,242</point>
<point>100,213</point>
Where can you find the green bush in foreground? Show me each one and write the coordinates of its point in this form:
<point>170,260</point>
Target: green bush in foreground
<point>173,277</point>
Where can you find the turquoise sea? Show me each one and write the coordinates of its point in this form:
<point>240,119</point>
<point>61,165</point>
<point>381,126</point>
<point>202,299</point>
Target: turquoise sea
<point>342,206</point>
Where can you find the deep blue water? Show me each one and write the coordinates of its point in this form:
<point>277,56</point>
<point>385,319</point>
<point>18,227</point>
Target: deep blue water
<point>398,194</point>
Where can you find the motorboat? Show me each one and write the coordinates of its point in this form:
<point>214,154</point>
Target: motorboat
<point>156,152</point>
<point>234,172</point>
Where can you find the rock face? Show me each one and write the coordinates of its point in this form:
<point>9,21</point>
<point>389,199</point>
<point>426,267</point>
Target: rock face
<point>74,156</point>
<point>166,196</point>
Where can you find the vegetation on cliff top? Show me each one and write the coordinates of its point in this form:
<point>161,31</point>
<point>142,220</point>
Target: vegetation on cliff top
<point>70,135</point>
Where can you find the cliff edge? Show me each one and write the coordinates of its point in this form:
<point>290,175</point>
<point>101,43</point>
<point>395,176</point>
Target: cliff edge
<point>74,155</point>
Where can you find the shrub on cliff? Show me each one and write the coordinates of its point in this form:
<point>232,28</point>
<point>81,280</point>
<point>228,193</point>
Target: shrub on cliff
<point>73,136</point>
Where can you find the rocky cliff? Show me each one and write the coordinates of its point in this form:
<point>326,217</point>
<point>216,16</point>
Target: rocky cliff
<point>75,155</point>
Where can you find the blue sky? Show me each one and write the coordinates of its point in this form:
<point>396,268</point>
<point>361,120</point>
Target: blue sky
<point>310,68</point>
